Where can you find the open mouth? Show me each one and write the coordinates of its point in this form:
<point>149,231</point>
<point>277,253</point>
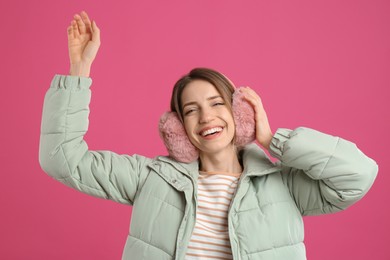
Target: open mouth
<point>211,131</point>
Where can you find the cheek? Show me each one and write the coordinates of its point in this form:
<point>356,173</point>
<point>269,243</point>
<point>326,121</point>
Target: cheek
<point>188,127</point>
<point>228,117</point>
<point>231,124</point>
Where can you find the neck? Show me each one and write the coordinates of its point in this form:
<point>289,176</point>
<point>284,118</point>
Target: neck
<point>224,161</point>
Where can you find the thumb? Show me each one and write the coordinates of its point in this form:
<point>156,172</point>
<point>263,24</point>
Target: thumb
<point>95,33</point>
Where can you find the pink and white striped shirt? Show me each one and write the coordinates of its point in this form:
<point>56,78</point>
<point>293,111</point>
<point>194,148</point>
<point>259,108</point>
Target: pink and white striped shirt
<point>210,238</point>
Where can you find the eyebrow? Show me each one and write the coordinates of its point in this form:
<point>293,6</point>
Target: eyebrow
<point>193,102</point>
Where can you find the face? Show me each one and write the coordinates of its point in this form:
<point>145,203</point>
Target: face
<point>207,120</point>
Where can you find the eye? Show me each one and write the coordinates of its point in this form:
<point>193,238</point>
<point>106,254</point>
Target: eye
<point>189,111</point>
<point>219,103</point>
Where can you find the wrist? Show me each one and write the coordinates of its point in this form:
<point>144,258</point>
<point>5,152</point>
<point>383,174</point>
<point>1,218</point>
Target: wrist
<point>80,69</point>
<point>265,141</point>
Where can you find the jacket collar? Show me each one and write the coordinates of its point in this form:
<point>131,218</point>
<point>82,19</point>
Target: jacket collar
<point>256,162</point>
<point>254,159</point>
<point>189,169</point>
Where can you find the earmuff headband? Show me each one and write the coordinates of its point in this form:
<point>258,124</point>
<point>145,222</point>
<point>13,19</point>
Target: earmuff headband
<point>181,149</point>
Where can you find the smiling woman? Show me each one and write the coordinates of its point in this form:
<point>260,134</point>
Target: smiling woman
<point>229,200</point>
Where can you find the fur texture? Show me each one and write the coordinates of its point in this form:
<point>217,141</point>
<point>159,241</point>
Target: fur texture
<point>244,118</point>
<point>181,149</point>
<point>175,138</point>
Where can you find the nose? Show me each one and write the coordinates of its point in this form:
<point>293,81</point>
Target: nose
<point>205,116</point>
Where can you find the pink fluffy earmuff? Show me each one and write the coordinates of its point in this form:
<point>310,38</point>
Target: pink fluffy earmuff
<point>179,146</point>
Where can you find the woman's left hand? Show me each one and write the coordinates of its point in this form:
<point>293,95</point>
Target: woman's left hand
<point>263,129</point>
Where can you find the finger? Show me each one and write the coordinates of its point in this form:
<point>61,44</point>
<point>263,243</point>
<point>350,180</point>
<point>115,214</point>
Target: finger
<point>248,97</point>
<point>254,99</point>
<point>95,33</point>
<point>86,20</point>
<point>75,29</point>
<point>250,92</point>
<point>81,26</point>
<point>70,32</point>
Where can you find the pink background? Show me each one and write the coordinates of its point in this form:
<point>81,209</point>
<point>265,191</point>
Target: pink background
<point>319,64</point>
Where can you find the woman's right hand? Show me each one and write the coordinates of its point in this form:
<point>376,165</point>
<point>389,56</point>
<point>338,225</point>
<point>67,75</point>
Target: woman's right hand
<point>83,43</point>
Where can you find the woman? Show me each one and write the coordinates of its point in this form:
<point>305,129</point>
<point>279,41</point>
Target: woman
<point>214,197</point>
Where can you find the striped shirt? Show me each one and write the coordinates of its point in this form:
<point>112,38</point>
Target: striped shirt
<point>210,238</point>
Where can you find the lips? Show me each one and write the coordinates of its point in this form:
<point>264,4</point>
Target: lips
<point>210,131</point>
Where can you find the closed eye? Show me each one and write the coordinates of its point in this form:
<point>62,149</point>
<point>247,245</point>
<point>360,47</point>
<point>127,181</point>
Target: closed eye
<point>219,104</point>
<point>189,111</point>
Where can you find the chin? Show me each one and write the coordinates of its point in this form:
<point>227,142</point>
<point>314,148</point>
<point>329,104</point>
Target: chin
<point>216,148</point>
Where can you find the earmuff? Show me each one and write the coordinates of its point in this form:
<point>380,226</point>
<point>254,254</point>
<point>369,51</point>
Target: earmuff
<point>180,148</point>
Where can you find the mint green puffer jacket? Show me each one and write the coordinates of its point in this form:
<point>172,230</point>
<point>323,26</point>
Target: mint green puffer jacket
<point>316,174</point>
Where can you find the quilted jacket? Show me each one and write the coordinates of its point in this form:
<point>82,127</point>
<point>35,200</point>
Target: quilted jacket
<point>316,174</point>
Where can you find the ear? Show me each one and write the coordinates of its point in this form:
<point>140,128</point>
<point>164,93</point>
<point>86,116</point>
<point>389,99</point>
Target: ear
<point>244,118</point>
<point>175,138</point>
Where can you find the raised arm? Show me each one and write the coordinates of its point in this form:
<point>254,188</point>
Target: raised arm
<point>63,152</point>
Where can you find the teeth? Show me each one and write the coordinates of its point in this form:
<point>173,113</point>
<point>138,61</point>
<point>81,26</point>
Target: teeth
<point>211,131</point>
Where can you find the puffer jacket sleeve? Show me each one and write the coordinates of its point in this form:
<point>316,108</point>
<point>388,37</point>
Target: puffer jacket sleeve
<point>64,154</point>
<point>324,173</point>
